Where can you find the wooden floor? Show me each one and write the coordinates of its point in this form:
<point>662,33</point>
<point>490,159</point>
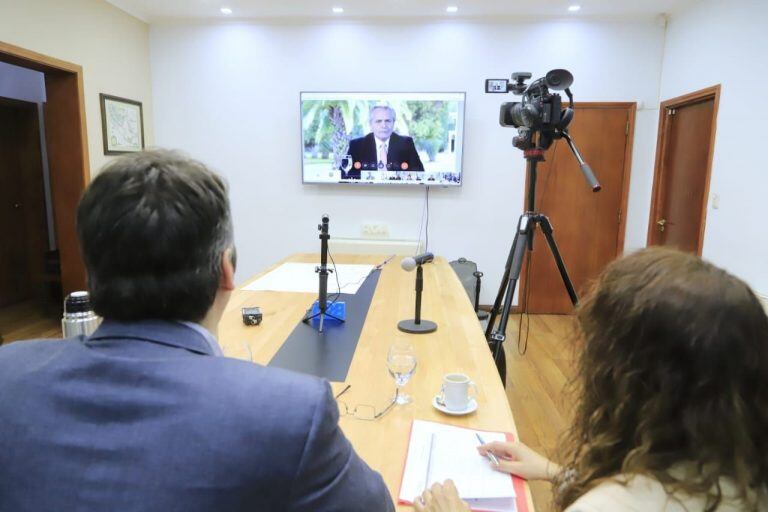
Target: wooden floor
<point>535,383</point>
<point>28,320</point>
<point>534,380</point>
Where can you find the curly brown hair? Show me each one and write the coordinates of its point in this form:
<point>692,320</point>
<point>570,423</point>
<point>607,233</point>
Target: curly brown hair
<point>673,369</point>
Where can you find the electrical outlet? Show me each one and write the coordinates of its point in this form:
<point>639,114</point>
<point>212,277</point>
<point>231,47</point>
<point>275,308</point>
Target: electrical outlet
<point>715,201</point>
<point>375,230</point>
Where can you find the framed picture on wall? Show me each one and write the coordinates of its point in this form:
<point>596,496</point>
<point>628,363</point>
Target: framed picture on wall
<point>122,125</point>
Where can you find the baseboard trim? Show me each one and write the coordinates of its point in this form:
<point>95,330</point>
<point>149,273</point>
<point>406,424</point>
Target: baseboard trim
<point>340,245</point>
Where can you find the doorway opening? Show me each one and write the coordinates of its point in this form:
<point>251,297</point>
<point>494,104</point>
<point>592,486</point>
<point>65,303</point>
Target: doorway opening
<point>43,171</point>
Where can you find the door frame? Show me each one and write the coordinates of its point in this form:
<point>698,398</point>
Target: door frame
<point>631,106</point>
<point>67,146</point>
<point>658,185</point>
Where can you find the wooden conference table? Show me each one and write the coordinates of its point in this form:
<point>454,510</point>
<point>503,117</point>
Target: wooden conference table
<point>458,345</point>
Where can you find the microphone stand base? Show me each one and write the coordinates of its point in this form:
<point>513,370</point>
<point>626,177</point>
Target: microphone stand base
<point>411,327</point>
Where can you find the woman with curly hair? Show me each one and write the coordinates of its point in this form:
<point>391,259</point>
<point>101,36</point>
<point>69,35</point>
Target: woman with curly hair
<point>671,396</point>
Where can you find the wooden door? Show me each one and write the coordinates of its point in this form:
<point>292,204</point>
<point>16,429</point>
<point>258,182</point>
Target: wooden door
<point>68,162</point>
<point>588,226</point>
<point>67,149</point>
<point>22,208</point>
<point>683,162</point>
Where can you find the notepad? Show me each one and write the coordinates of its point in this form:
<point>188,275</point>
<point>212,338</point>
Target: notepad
<point>437,452</point>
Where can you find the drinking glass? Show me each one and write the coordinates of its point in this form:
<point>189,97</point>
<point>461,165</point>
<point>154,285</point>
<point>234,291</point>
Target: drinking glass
<point>401,363</point>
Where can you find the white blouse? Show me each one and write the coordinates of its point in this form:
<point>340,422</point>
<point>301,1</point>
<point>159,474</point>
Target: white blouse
<point>646,494</point>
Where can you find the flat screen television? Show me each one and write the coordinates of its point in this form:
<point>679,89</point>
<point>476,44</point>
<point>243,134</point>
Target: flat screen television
<point>394,138</point>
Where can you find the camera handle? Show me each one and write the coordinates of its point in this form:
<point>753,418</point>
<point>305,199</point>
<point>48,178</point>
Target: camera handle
<point>586,170</point>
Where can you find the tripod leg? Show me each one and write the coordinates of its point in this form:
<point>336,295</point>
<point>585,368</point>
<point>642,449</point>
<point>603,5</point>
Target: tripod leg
<point>497,337</point>
<point>546,228</point>
<point>503,285</point>
<point>309,316</point>
<point>514,276</point>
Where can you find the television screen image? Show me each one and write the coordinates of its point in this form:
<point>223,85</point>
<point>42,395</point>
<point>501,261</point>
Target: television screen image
<point>382,138</point>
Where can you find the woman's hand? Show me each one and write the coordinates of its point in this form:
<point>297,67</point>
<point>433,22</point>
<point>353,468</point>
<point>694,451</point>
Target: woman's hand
<point>440,498</point>
<point>520,460</point>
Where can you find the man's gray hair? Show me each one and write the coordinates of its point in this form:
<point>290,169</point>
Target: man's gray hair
<point>153,227</point>
<point>382,107</point>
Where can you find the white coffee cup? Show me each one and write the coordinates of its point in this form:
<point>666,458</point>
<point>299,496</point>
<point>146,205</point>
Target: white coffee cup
<point>454,393</point>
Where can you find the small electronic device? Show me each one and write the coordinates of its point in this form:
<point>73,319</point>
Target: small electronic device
<point>251,316</point>
<point>497,85</point>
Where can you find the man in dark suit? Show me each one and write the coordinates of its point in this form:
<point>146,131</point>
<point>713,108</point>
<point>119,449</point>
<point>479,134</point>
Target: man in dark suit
<point>382,149</point>
<point>147,414</point>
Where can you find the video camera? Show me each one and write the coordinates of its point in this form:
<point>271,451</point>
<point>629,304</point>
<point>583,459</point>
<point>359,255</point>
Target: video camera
<point>539,111</point>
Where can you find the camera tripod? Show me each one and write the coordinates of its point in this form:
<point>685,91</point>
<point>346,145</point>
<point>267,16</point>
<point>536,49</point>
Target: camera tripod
<point>526,227</point>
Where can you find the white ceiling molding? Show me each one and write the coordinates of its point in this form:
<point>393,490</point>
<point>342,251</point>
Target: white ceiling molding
<point>159,11</point>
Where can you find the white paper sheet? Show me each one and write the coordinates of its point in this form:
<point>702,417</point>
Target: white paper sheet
<point>438,452</point>
<point>302,278</point>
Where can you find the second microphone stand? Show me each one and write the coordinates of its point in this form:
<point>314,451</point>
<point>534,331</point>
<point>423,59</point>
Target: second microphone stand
<point>322,271</point>
<point>417,325</point>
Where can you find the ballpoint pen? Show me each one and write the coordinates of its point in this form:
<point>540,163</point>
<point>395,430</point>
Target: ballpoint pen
<point>488,454</point>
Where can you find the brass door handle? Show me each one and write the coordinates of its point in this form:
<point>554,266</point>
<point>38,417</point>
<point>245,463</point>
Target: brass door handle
<point>661,223</point>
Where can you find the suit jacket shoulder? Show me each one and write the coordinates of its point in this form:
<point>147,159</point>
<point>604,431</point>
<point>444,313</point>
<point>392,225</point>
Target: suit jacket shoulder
<point>161,425</point>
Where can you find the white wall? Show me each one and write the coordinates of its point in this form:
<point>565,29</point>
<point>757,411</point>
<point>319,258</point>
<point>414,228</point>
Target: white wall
<point>229,95</point>
<point>725,42</point>
<point>110,45</point>
<point>641,181</point>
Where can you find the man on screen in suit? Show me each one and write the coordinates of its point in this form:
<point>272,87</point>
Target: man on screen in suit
<point>382,149</point>
<point>147,414</point>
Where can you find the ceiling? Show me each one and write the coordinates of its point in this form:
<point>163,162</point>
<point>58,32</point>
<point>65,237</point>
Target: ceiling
<point>157,11</point>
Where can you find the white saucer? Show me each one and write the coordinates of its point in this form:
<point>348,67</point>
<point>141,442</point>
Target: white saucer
<point>471,407</point>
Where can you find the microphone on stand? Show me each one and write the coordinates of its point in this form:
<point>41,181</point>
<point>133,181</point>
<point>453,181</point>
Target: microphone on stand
<point>417,325</point>
<point>409,264</point>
